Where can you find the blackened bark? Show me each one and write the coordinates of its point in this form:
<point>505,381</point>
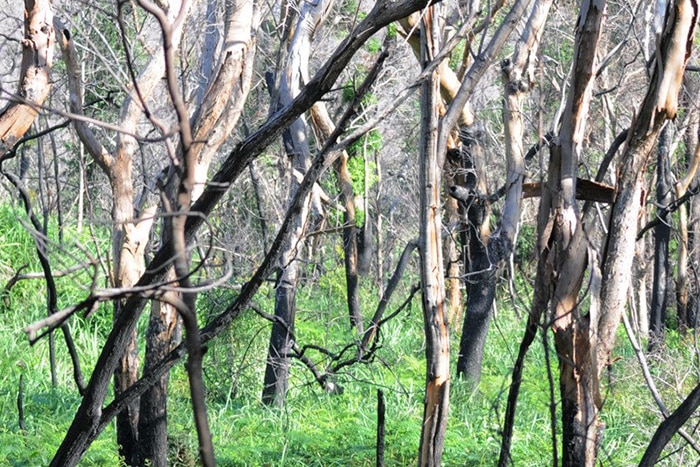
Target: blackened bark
<point>365,245</point>
<point>662,237</point>
<point>480,270</point>
<point>127,421</point>
<point>277,369</point>
<point>162,336</point>
<point>380,428</point>
<point>670,426</point>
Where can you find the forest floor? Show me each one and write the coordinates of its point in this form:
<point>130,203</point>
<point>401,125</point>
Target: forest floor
<point>315,428</point>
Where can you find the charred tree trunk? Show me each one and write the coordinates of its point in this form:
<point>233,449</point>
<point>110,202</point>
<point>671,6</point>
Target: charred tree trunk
<point>129,265</point>
<point>480,271</point>
<point>662,237</point>
<point>161,338</point>
<point>297,147</point>
<point>489,254</point>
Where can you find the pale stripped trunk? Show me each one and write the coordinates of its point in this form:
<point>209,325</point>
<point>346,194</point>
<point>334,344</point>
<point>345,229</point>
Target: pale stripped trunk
<point>437,350</point>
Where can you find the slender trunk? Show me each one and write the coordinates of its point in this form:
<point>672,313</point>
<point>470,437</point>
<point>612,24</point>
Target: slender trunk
<point>639,290</point>
<point>324,124</point>
<point>432,278</point>
<point>277,368</point>
<point>297,147</point>
<point>692,160</point>
<point>542,295</point>
<point>662,237</point>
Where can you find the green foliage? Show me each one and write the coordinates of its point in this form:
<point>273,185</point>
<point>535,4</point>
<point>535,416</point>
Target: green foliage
<point>392,31</point>
<point>456,55</point>
<point>350,88</point>
<point>47,410</point>
<point>373,45</point>
<point>315,428</point>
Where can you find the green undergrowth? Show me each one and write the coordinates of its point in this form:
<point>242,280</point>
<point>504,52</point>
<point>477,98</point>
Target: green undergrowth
<point>315,428</point>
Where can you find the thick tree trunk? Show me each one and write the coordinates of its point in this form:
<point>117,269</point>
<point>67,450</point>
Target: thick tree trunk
<point>162,336</point>
<point>480,270</point>
<point>437,336</point>
<point>129,245</point>
<point>277,368</point>
<point>489,254</point>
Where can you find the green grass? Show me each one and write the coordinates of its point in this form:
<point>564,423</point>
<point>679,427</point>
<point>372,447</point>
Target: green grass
<point>315,428</point>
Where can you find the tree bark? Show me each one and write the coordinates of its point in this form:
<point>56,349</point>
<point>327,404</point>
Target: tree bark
<point>437,336</point>
<point>479,270</point>
<point>518,76</point>
<point>662,238</point>
<point>34,79</point>
<point>162,336</point>
<point>297,147</point>
<point>563,246</point>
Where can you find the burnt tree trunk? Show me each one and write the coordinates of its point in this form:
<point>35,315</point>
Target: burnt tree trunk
<point>662,237</point>
<point>480,273</point>
<point>488,255</point>
<point>297,147</point>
